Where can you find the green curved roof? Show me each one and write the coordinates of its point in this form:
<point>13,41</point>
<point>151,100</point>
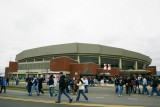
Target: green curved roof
<point>81,48</point>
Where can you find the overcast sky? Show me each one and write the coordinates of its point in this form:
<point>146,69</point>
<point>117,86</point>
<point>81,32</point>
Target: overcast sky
<point>129,24</point>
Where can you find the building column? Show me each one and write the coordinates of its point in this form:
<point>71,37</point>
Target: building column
<point>135,65</point>
<point>99,60</point>
<point>78,58</point>
<point>144,66</point>
<point>120,63</point>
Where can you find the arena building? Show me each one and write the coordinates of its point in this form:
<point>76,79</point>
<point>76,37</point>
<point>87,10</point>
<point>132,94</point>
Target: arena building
<point>79,58</point>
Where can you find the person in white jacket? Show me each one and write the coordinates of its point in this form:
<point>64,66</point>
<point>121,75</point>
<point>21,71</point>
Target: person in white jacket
<point>80,84</point>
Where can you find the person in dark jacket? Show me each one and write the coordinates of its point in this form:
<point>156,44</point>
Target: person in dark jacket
<point>120,85</point>
<point>128,85</point>
<point>3,84</point>
<point>62,89</point>
<point>51,86</point>
<point>116,84</point>
<point>136,86</point>
<point>40,85</point>
<point>29,85</point>
<point>154,87</point>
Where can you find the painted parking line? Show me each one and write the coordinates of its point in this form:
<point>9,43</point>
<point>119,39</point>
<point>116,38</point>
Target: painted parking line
<point>64,103</point>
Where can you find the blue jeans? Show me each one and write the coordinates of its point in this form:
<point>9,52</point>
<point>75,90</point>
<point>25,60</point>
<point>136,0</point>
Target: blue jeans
<point>145,90</point>
<point>154,89</point>
<point>86,88</point>
<point>65,93</point>
<point>81,92</point>
<point>51,91</point>
<point>34,88</point>
<point>119,90</point>
<point>116,88</point>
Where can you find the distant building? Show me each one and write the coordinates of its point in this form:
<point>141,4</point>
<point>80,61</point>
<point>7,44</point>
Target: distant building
<point>79,58</point>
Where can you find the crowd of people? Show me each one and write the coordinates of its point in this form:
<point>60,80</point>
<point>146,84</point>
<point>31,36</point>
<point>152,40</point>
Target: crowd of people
<point>79,85</point>
<point>132,85</point>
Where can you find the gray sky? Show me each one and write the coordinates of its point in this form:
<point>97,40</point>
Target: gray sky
<point>129,24</point>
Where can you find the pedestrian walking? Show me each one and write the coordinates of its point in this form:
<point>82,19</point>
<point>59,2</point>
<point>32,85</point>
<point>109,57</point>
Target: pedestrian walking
<point>120,86</point>
<point>154,86</point>
<point>136,86</point>
<point>40,84</point>
<point>144,83</point>
<point>128,85</point>
<point>75,85</point>
<point>29,86</point>
<point>80,84</point>
<point>34,86</point>
<point>7,81</point>
<point>62,89</point>
<point>3,84</point>
<point>86,85</point>
<point>51,86</point>
<point>116,83</point>
<point>71,85</point>
<point>17,81</point>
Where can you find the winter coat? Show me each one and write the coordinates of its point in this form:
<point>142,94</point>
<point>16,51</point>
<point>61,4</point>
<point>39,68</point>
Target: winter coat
<point>81,83</point>
<point>62,83</point>
<point>4,82</point>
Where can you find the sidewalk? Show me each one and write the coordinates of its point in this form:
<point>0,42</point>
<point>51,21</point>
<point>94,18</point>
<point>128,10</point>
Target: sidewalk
<point>23,84</point>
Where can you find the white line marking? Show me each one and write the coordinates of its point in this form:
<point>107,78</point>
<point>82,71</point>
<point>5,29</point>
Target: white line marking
<point>132,98</point>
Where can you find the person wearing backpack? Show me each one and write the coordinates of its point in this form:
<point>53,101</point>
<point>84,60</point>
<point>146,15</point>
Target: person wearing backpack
<point>80,84</point>
<point>62,89</point>
<point>34,86</point>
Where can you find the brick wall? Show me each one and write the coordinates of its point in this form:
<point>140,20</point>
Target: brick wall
<point>83,68</point>
<point>6,72</point>
<point>152,69</point>
<point>13,66</point>
<point>61,64</point>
